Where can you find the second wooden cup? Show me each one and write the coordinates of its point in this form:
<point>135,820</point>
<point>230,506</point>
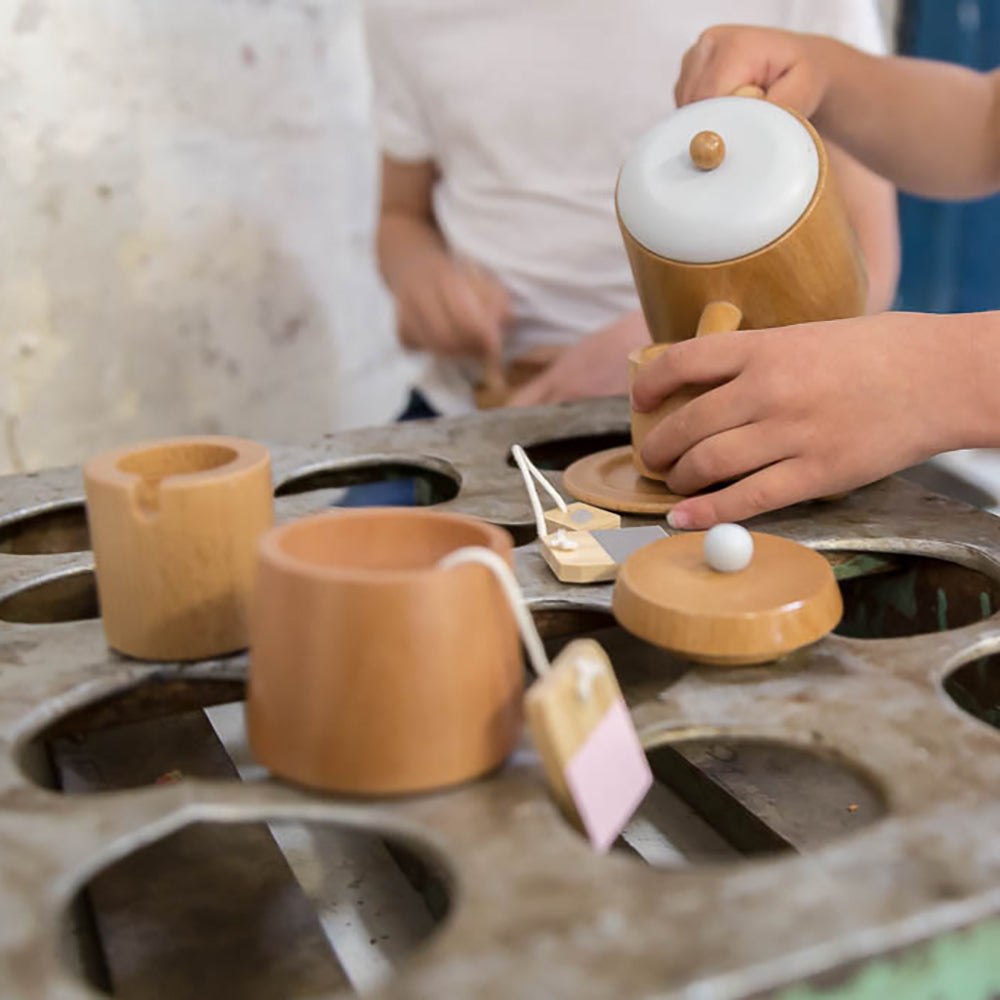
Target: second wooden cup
<point>175,525</point>
<point>372,670</point>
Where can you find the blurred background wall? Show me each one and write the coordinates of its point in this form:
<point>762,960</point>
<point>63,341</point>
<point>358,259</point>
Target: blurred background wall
<point>187,192</point>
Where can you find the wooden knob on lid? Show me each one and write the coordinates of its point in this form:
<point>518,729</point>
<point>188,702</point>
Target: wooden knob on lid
<point>749,90</point>
<point>707,150</point>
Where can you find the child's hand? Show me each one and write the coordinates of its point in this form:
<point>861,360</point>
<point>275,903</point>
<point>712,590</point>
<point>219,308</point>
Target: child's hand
<point>788,66</point>
<point>449,307</point>
<point>596,366</point>
<point>806,411</point>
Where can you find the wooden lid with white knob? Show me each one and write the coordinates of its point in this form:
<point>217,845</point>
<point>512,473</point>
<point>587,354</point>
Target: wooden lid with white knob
<point>787,597</point>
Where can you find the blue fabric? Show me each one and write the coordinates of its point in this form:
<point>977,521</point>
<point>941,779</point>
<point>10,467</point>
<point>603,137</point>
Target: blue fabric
<point>950,262</point>
<point>392,492</point>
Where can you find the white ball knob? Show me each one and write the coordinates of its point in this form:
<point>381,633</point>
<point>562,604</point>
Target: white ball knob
<point>728,548</point>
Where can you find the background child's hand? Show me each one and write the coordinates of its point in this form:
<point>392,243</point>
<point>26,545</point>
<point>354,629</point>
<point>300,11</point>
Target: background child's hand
<point>449,307</point>
<point>788,66</point>
<point>596,366</point>
<point>806,411</point>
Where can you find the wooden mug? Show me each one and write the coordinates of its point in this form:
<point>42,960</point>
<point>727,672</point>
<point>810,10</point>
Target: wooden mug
<point>373,670</point>
<point>175,525</point>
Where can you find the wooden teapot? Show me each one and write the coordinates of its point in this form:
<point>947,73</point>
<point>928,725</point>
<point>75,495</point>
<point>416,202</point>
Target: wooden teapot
<point>732,219</point>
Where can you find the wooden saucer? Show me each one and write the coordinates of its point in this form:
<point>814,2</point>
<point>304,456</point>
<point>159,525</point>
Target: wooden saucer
<point>609,479</point>
<point>668,595</point>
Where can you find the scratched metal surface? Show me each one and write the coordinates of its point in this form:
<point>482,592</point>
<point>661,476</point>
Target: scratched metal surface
<point>534,912</point>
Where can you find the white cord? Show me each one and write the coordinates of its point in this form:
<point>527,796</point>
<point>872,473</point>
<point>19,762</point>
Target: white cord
<point>534,470</point>
<point>508,583</point>
<point>587,671</point>
<point>528,472</point>
<point>560,540</point>
<point>536,507</point>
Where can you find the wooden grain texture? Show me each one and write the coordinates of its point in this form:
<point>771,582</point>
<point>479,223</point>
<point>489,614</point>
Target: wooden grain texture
<point>610,479</point>
<point>786,598</point>
<point>718,317</point>
<point>175,525</point>
<point>707,150</point>
<point>560,721</point>
<point>587,563</point>
<point>812,272</point>
<point>372,670</point>
<point>581,517</point>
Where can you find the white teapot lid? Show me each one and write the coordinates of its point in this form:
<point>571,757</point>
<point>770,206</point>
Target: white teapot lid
<point>764,183</point>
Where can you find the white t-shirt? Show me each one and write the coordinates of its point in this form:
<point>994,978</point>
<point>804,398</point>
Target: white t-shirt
<point>529,107</point>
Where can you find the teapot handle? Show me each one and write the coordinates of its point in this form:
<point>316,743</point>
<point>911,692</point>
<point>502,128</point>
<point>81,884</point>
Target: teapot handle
<point>719,317</point>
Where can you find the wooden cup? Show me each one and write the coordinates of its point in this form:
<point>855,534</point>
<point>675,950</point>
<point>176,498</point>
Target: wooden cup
<point>372,670</point>
<point>642,423</point>
<point>716,317</point>
<point>175,525</point>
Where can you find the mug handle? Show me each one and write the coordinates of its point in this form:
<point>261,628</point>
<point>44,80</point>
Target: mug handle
<point>719,317</point>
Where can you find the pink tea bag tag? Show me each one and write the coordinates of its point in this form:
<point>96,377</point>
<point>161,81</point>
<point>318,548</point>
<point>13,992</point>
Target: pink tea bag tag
<point>591,754</point>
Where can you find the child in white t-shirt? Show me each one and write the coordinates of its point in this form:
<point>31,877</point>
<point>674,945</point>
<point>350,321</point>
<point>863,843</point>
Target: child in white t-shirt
<point>503,125</point>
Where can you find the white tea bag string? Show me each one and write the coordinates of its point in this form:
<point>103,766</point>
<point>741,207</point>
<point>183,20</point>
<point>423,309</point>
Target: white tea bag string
<point>523,462</point>
<point>529,473</point>
<point>512,591</point>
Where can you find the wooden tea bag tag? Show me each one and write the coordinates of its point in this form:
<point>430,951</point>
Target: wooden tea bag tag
<point>578,719</point>
<point>590,752</point>
<point>594,556</point>
<point>587,543</point>
<point>581,517</point>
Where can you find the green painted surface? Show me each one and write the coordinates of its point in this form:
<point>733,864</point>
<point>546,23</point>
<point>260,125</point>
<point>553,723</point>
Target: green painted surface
<point>859,564</point>
<point>962,965</point>
<point>942,610</point>
<point>901,594</point>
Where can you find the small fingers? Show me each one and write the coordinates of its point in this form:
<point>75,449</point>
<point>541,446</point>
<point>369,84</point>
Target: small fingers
<point>725,456</point>
<point>692,67</point>
<point>795,89</point>
<point>475,331</point>
<point>719,62</point>
<point>778,485</point>
<point>424,325</point>
<point>699,419</point>
<point>493,303</point>
<point>701,361</point>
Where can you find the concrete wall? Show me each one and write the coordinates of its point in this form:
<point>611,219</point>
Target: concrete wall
<point>187,192</point>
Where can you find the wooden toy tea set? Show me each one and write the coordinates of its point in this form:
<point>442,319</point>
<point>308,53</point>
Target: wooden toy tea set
<point>376,671</point>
